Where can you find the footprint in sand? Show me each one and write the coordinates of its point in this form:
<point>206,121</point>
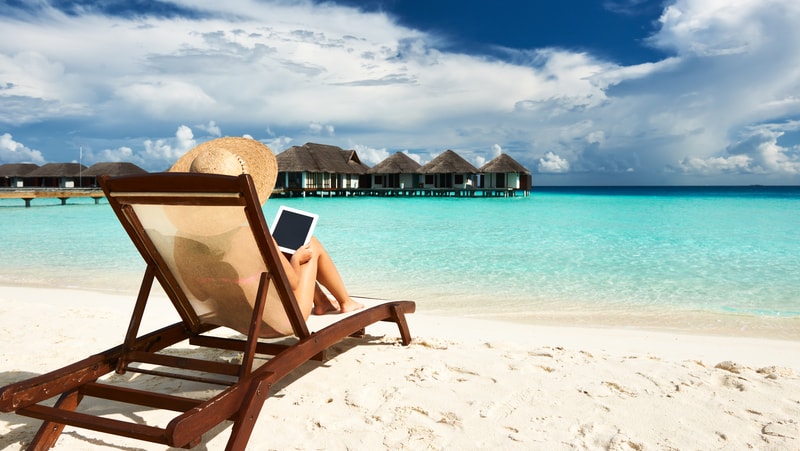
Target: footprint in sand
<point>784,429</point>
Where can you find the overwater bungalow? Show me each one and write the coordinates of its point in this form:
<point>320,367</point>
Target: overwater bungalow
<point>397,171</point>
<point>63,180</point>
<point>447,171</point>
<point>12,175</point>
<point>110,168</point>
<point>504,172</point>
<point>319,168</point>
<point>56,175</point>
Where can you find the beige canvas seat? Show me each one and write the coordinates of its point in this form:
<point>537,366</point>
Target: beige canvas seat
<point>205,240</point>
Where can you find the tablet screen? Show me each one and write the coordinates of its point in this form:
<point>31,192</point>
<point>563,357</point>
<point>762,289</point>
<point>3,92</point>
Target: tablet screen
<point>292,228</point>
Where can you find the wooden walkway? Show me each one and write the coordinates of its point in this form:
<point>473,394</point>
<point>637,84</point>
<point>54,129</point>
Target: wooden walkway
<point>400,192</point>
<point>28,194</point>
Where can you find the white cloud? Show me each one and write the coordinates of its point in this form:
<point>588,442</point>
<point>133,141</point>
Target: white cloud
<point>758,152</point>
<point>211,128</point>
<point>480,160</point>
<point>716,27</point>
<point>497,149</point>
<point>36,88</point>
<point>716,165</point>
<point>315,128</point>
<point>371,156</point>
<point>413,156</point>
<point>123,153</point>
<point>278,144</point>
<point>166,99</point>
<point>168,151</point>
<point>553,163</point>
<point>762,147</point>
<point>14,152</point>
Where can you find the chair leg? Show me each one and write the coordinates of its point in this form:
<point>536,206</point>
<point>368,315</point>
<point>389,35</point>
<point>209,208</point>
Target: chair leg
<point>361,333</point>
<point>49,432</point>
<point>248,414</point>
<point>400,319</point>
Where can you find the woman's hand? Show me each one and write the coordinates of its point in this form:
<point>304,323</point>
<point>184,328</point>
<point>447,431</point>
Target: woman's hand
<point>302,255</point>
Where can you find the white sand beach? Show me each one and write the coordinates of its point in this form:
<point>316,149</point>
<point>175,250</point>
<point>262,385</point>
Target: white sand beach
<point>462,384</point>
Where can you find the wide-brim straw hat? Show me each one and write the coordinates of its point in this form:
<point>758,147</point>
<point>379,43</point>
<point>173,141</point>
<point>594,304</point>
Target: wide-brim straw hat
<point>226,156</point>
<point>233,156</point>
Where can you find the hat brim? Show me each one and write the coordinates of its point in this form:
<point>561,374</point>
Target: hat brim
<point>258,159</point>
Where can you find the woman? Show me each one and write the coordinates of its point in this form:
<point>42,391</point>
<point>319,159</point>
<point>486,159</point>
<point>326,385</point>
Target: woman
<point>310,263</point>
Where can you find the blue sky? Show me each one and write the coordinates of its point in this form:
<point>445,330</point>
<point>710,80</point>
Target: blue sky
<point>582,92</point>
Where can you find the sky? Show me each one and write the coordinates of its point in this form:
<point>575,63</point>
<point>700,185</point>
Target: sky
<point>581,92</point>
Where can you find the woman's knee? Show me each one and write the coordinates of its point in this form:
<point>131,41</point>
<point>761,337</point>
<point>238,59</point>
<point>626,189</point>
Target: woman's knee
<point>317,246</point>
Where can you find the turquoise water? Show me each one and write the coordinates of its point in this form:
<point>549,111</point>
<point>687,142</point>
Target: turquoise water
<point>572,253</point>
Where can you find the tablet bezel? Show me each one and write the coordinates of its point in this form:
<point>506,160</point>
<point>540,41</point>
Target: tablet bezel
<point>281,210</point>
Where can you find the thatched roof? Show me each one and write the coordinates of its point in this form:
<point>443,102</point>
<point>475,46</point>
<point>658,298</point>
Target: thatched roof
<point>448,162</point>
<point>113,169</point>
<point>504,163</point>
<point>17,169</point>
<point>312,157</point>
<point>58,170</point>
<point>398,163</point>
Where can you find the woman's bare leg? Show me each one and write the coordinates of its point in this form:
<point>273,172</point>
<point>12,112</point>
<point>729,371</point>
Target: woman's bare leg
<point>329,277</point>
<point>306,286</point>
<point>322,303</point>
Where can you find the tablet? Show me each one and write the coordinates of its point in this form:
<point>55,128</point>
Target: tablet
<point>292,228</point>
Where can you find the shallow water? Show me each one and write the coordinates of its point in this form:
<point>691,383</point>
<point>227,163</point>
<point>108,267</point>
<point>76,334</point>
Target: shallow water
<point>674,257</point>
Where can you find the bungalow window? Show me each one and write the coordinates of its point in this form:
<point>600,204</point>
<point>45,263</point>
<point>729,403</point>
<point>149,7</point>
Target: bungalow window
<point>315,180</point>
<point>294,180</point>
<point>379,180</point>
<point>459,179</point>
<point>429,179</point>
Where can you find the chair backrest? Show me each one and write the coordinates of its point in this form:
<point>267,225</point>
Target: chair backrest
<point>206,237</point>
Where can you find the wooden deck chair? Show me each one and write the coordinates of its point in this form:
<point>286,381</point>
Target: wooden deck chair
<point>186,226</point>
